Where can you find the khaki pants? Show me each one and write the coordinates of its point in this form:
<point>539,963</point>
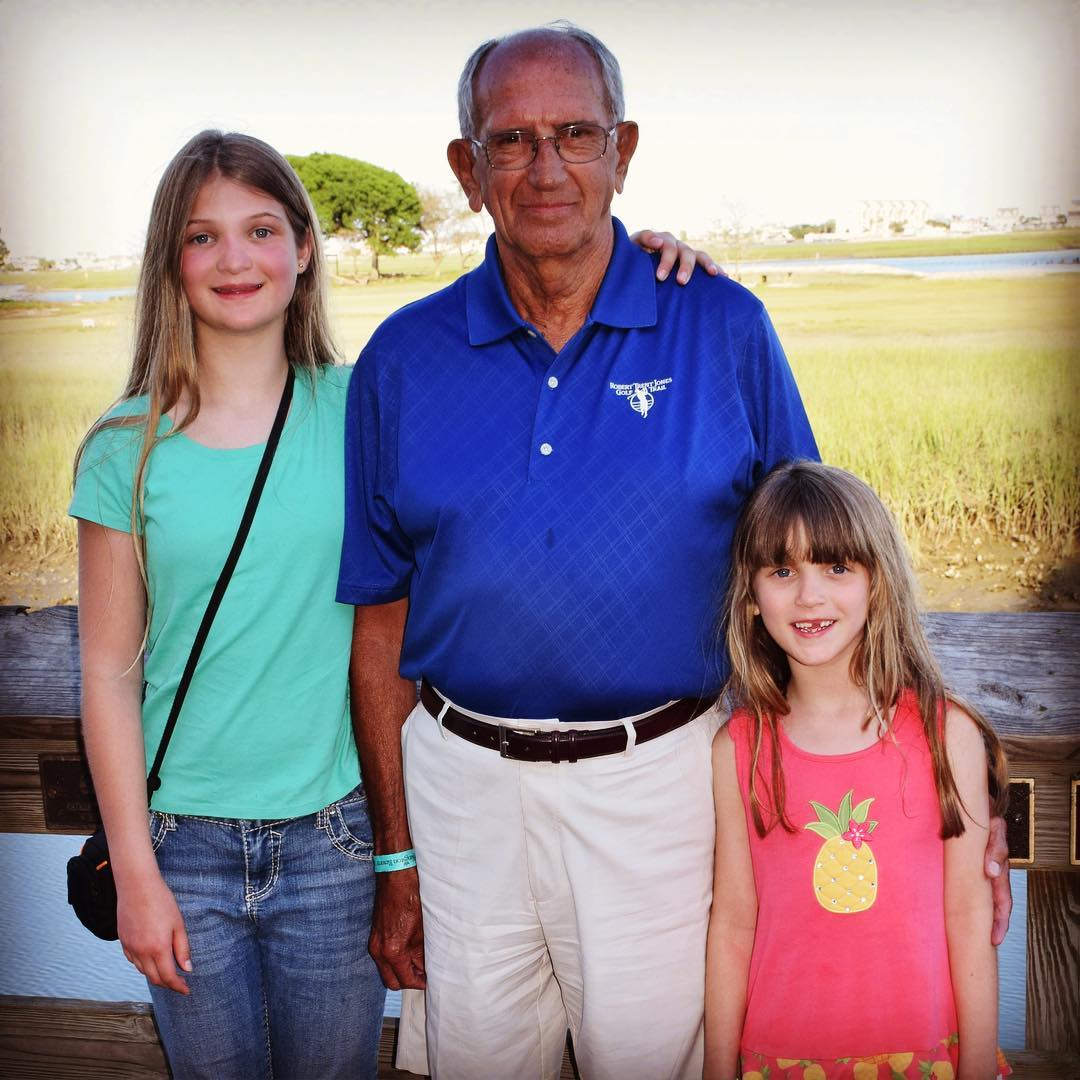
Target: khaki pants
<point>571,895</point>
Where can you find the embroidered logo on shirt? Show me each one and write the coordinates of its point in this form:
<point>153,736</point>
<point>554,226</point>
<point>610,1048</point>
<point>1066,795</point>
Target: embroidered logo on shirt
<point>641,394</point>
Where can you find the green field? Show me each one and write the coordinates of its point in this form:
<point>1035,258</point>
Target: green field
<point>906,247</point>
<point>957,399</point>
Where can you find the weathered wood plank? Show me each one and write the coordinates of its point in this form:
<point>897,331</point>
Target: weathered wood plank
<point>1020,669</point>
<point>64,1039</point>
<point>1042,1065</point>
<point>39,659</point>
<point>69,1039</point>
<point>60,1038</point>
<point>1053,956</point>
<point>117,1021</point>
<point>60,729</point>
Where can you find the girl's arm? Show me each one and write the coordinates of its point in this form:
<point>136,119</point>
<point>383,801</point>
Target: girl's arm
<point>112,618</point>
<point>731,921</point>
<point>969,904</point>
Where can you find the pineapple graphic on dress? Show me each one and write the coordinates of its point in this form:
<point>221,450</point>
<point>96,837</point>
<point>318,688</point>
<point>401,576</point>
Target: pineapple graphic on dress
<point>845,870</point>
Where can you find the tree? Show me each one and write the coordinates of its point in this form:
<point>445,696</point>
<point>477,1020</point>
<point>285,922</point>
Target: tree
<point>802,230</point>
<point>735,234</point>
<point>363,200</point>
<point>897,227</point>
<point>466,231</point>
<point>4,253</point>
<point>438,209</point>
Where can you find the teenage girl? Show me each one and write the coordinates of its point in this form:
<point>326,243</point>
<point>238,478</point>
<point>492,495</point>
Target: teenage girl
<point>254,877</point>
<point>247,901</point>
<point>850,927</point>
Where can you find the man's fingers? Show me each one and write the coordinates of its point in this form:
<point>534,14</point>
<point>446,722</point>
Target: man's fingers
<point>1002,890</point>
<point>996,867</point>
<point>403,971</point>
<point>419,978</point>
<point>387,973</point>
<point>997,848</point>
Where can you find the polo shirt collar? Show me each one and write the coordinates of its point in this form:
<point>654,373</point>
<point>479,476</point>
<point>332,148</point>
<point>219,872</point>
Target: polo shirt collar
<point>627,296</point>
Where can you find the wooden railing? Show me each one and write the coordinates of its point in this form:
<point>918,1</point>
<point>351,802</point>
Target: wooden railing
<point>1021,670</point>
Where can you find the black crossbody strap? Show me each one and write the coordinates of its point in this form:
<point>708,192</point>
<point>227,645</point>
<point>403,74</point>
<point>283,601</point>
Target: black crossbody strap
<point>153,781</point>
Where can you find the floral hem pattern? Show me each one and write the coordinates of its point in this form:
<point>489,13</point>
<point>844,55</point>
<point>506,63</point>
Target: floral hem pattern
<point>938,1063</point>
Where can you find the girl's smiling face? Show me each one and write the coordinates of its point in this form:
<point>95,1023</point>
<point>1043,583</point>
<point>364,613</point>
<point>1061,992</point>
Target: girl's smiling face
<point>815,612</point>
<point>240,259</point>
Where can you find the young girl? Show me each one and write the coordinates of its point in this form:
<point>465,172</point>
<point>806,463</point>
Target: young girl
<point>254,878</point>
<point>850,928</point>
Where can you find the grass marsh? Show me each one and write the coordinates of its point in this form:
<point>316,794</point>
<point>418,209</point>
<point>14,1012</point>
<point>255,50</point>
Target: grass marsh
<point>959,400</point>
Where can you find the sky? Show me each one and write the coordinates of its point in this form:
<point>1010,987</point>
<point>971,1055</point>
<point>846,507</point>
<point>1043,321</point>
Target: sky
<point>772,110</point>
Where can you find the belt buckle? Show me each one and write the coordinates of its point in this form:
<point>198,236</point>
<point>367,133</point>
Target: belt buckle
<point>554,739</point>
<point>505,731</point>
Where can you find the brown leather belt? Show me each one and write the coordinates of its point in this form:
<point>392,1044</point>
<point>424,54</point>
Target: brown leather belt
<point>561,743</point>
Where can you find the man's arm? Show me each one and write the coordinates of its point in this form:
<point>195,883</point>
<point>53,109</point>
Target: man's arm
<point>381,701</point>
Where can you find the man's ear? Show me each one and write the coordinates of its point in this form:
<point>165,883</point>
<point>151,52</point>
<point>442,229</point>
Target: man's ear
<point>460,155</point>
<point>626,137</point>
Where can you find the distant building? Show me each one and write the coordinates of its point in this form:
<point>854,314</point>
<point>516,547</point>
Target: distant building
<point>1005,219</point>
<point>772,234</point>
<point>961,226</point>
<point>877,217</point>
<point>1073,217</point>
<point>1049,215</point>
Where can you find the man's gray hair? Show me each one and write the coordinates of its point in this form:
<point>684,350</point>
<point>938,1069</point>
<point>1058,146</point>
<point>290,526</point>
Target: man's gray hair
<point>609,72</point>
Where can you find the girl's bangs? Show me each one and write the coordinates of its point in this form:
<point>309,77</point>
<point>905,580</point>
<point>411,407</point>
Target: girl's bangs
<point>802,521</point>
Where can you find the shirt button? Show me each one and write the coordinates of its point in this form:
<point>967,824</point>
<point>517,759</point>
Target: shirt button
<point>545,448</point>
<point>552,381</point>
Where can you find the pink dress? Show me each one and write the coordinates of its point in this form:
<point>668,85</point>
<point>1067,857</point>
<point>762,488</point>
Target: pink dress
<point>849,975</point>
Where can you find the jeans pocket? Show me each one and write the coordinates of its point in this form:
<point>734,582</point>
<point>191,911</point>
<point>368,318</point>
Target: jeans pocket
<point>348,826</point>
<point>160,826</point>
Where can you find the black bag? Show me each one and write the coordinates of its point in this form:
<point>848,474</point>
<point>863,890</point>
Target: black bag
<point>91,887</point>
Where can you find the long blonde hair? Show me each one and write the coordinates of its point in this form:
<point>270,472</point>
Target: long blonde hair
<point>842,521</point>
<point>164,366</point>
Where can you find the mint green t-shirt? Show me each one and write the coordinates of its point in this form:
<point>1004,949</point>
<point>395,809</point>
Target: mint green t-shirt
<point>264,731</point>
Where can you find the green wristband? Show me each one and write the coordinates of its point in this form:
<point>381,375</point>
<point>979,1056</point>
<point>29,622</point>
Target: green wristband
<point>400,860</point>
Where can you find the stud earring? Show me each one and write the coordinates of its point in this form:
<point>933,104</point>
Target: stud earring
<point>300,267</point>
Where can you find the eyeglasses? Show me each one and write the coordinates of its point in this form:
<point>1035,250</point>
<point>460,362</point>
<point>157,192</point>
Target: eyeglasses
<point>576,144</point>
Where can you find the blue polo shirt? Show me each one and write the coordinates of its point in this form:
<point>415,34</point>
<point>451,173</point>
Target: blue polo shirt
<point>560,522</point>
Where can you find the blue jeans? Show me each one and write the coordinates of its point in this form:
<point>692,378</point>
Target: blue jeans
<point>278,915</point>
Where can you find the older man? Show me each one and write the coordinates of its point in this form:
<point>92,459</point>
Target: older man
<point>545,463</point>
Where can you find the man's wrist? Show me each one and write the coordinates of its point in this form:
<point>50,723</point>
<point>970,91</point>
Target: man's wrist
<point>398,860</point>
